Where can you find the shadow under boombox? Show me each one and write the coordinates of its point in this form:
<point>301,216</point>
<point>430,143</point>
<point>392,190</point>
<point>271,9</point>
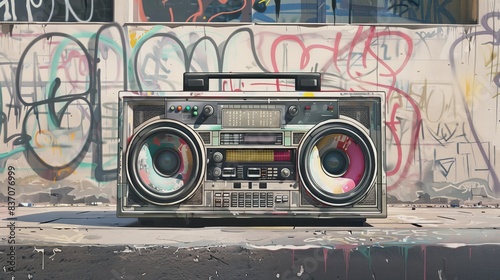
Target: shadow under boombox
<point>286,157</point>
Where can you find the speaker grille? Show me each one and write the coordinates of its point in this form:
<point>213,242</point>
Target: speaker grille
<point>297,137</point>
<point>306,200</point>
<point>196,199</point>
<point>359,113</point>
<point>143,113</point>
<point>369,199</point>
<point>206,137</point>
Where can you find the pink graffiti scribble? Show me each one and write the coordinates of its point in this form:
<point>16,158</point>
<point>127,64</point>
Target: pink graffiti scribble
<point>364,38</point>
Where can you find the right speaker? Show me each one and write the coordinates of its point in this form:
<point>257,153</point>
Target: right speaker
<point>341,161</point>
<point>338,163</point>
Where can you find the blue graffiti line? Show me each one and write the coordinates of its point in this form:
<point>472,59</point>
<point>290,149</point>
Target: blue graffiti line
<point>489,32</point>
<point>11,153</point>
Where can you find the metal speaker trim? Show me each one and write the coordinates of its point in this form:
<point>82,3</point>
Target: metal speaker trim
<point>163,189</point>
<point>360,175</point>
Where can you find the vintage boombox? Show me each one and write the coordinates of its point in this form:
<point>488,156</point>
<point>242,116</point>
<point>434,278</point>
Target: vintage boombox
<point>299,154</point>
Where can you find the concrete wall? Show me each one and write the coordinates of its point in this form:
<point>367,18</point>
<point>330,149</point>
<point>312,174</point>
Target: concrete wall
<point>59,85</point>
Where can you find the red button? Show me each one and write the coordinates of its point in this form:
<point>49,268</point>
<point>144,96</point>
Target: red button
<point>330,108</point>
<point>179,108</point>
<point>307,107</point>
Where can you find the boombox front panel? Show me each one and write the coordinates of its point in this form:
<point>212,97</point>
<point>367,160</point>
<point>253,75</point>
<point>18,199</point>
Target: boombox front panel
<point>221,155</point>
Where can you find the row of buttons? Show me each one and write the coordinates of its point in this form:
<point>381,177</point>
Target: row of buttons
<point>221,199</point>
<point>187,108</point>
<point>207,111</point>
<point>281,198</point>
<point>248,199</point>
<point>272,173</point>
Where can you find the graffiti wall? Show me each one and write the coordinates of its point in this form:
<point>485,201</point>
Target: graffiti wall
<point>59,86</point>
<point>56,10</point>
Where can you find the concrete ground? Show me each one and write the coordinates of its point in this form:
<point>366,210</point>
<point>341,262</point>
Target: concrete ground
<point>90,242</point>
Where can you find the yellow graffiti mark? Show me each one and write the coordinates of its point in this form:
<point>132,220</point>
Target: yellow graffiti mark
<point>57,148</point>
<point>134,38</point>
<point>468,91</point>
<point>471,90</point>
<point>62,172</point>
<point>308,94</point>
<point>490,56</point>
<point>43,138</point>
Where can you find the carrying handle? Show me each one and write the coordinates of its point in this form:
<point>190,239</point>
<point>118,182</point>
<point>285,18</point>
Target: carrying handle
<point>199,81</point>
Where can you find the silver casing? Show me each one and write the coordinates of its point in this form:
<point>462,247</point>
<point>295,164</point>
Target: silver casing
<point>263,191</point>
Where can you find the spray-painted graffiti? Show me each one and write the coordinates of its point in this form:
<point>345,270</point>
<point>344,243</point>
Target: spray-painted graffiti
<point>306,11</point>
<point>235,11</point>
<point>434,11</point>
<point>58,93</point>
<point>62,121</point>
<point>59,113</point>
<point>56,10</point>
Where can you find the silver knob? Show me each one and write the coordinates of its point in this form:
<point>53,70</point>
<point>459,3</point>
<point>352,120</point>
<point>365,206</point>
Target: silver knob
<point>208,110</point>
<point>293,110</point>
<point>217,157</point>
<point>216,172</point>
<point>285,172</point>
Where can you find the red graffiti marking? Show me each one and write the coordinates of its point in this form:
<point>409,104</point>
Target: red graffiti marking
<point>142,15</point>
<point>227,13</point>
<point>364,39</point>
<point>194,16</point>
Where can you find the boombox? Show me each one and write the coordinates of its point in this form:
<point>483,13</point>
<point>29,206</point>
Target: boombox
<point>303,154</point>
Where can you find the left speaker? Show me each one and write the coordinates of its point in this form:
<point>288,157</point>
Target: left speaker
<point>165,162</point>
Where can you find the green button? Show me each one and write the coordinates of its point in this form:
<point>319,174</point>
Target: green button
<point>195,113</point>
<point>187,108</point>
<point>195,108</point>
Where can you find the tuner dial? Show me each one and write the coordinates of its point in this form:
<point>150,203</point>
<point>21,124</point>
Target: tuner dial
<point>217,157</point>
<point>285,172</point>
<point>293,110</point>
<point>216,172</point>
<point>208,110</point>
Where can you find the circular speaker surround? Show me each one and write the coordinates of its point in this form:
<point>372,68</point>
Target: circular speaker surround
<point>165,162</point>
<point>337,162</point>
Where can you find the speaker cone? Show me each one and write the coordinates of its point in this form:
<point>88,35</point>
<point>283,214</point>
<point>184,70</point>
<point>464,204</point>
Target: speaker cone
<point>165,162</point>
<point>337,162</point>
